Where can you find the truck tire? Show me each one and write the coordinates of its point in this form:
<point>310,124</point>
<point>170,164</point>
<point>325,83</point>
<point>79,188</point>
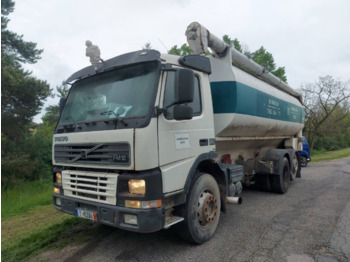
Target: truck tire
<point>282,180</point>
<point>202,210</point>
<point>303,161</point>
<point>295,171</point>
<point>264,182</point>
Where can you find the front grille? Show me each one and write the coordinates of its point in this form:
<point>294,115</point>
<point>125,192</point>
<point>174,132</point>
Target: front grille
<point>93,154</point>
<point>94,186</point>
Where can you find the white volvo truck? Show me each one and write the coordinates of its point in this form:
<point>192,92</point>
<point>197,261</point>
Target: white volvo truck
<point>147,141</point>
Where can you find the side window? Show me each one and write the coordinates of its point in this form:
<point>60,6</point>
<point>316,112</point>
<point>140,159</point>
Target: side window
<point>170,95</point>
<point>197,103</point>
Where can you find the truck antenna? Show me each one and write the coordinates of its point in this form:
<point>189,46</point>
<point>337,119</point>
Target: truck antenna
<point>167,50</point>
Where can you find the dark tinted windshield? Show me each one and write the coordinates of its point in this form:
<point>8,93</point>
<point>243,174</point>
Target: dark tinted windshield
<point>123,93</point>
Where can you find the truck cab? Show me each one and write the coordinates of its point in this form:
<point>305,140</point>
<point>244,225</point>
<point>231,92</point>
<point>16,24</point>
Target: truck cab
<point>128,137</point>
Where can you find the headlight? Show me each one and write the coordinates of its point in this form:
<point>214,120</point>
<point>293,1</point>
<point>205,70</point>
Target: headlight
<point>137,186</point>
<point>59,178</point>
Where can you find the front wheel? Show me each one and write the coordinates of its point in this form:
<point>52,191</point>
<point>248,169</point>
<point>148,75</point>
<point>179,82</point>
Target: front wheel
<point>202,210</point>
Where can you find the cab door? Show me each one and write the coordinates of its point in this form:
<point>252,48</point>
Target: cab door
<point>182,141</point>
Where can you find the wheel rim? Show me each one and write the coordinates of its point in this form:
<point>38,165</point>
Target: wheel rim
<point>207,208</point>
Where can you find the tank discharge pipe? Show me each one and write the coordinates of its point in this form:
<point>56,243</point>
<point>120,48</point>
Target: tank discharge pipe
<point>199,39</point>
<point>234,200</point>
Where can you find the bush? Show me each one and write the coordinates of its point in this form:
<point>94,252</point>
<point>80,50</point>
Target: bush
<point>39,146</point>
<point>15,167</point>
<point>28,158</point>
<point>331,143</point>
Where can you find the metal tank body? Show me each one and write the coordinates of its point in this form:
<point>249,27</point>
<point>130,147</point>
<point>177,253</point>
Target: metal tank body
<point>245,106</point>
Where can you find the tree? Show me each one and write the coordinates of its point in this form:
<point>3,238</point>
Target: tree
<point>22,94</point>
<point>265,59</point>
<point>235,43</point>
<point>338,136</point>
<point>53,111</point>
<point>280,73</point>
<point>13,44</point>
<point>260,56</point>
<point>325,100</point>
<point>182,51</point>
<point>22,97</point>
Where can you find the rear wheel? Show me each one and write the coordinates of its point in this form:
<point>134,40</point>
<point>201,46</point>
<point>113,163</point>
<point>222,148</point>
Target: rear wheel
<point>303,161</point>
<point>202,210</point>
<point>282,180</point>
<point>264,182</point>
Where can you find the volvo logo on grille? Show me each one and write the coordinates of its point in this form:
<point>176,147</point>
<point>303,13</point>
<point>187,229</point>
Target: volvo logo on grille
<point>61,139</point>
<point>120,158</point>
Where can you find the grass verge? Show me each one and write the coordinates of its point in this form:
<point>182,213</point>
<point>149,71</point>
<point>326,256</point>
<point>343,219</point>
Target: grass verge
<point>36,242</point>
<point>330,155</point>
<point>21,226</point>
<point>23,196</point>
<point>30,223</point>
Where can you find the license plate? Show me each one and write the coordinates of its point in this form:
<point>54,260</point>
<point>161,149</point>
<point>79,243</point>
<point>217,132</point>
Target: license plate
<point>86,214</point>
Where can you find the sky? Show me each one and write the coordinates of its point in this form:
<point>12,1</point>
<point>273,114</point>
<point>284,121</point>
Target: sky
<point>310,38</point>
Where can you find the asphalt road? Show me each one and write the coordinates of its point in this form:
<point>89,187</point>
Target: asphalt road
<point>309,223</point>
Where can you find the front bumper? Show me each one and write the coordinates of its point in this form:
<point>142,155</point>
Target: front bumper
<point>149,220</point>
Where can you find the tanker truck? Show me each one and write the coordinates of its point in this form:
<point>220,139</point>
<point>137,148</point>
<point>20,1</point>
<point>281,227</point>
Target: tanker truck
<point>148,141</point>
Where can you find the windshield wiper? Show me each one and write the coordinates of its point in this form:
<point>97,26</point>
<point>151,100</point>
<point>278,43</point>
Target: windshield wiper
<point>116,119</point>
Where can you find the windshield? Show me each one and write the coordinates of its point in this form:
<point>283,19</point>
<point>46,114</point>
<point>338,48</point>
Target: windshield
<point>118,94</point>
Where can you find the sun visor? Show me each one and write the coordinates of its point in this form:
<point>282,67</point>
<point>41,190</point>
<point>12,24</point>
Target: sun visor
<point>118,61</point>
<point>197,62</point>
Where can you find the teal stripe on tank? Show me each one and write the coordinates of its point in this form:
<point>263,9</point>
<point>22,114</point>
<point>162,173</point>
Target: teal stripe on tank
<point>234,97</point>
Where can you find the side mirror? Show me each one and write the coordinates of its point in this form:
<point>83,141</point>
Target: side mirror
<point>179,91</point>
<point>184,86</point>
<point>62,104</point>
